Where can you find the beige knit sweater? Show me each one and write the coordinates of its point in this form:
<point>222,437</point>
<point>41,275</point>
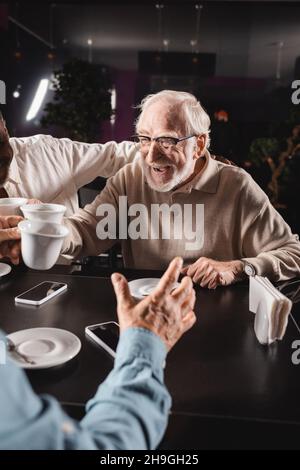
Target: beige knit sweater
<point>239,222</point>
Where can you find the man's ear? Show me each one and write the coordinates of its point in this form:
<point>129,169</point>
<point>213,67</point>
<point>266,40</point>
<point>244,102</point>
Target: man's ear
<point>200,146</point>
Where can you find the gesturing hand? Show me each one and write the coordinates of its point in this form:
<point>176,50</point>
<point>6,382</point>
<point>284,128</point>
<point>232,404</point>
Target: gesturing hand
<point>166,312</point>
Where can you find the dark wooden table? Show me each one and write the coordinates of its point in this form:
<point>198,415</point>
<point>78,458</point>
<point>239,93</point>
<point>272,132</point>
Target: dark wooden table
<point>228,391</point>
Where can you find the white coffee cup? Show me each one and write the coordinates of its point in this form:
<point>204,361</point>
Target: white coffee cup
<point>44,212</point>
<point>41,243</point>
<point>11,205</point>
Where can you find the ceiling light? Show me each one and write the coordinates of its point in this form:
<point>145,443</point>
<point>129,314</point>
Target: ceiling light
<point>38,99</point>
<point>113,104</point>
<point>17,93</point>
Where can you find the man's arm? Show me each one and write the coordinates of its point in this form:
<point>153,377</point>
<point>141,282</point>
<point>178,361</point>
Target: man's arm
<point>129,411</point>
<point>83,238</point>
<point>265,242</point>
<point>127,391</point>
<point>87,161</point>
<point>270,246</point>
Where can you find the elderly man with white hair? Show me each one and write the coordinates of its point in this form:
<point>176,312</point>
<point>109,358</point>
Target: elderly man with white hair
<point>219,219</point>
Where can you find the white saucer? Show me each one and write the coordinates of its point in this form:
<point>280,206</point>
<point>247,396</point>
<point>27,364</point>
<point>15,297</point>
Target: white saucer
<point>4,269</point>
<point>47,347</point>
<point>140,288</point>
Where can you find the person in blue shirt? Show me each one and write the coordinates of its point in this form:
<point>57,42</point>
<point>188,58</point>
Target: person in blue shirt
<point>130,409</point>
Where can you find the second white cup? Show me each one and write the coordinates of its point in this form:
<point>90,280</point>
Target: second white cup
<point>11,205</point>
<point>41,243</point>
<point>45,212</point>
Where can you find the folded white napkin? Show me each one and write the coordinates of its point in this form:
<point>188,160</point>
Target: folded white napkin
<point>271,307</point>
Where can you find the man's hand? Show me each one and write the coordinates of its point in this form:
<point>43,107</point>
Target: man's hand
<point>10,246</point>
<point>210,273</point>
<point>168,314</point>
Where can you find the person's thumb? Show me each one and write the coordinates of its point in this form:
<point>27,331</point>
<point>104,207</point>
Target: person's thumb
<point>9,234</point>
<point>220,281</point>
<point>122,291</point>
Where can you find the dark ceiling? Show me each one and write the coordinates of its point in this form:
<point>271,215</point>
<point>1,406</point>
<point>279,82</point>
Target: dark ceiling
<point>237,32</point>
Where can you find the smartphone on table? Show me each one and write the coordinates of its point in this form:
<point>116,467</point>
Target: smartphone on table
<point>41,293</point>
<point>105,335</point>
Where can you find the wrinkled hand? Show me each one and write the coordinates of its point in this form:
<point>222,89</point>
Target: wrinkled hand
<point>166,312</point>
<point>210,273</point>
<point>10,246</point>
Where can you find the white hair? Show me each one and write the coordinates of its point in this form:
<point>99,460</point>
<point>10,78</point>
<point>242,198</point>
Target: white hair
<point>194,116</point>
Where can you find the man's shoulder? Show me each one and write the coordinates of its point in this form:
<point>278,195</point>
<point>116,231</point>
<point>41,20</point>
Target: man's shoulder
<point>32,139</point>
<point>20,144</point>
<point>242,186</point>
<point>235,174</point>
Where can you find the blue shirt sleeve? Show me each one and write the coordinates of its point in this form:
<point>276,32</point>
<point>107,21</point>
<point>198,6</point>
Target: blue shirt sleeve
<point>129,410</point>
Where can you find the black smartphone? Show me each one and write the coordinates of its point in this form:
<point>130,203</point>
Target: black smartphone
<point>105,335</point>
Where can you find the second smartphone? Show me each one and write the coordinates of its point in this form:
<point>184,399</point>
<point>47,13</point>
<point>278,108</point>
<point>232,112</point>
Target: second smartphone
<point>105,335</point>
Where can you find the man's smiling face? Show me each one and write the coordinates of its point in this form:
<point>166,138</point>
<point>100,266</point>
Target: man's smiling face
<point>165,168</point>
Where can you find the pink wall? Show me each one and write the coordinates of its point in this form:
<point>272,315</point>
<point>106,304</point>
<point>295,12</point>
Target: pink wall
<point>125,83</point>
<point>3,17</point>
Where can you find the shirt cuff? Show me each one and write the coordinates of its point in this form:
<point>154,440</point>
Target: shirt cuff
<point>141,343</point>
<point>264,265</point>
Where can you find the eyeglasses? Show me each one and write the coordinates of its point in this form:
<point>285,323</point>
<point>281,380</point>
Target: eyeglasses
<point>164,142</point>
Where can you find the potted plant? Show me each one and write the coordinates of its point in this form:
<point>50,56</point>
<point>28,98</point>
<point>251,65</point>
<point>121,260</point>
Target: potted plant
<point>82,100</point>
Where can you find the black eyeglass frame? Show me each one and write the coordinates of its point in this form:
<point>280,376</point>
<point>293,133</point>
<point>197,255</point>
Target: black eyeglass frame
<point>156,139</point>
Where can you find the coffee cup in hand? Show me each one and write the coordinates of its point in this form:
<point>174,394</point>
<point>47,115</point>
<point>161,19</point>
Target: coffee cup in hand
<point>41,243</point>
<point>12,205</point>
